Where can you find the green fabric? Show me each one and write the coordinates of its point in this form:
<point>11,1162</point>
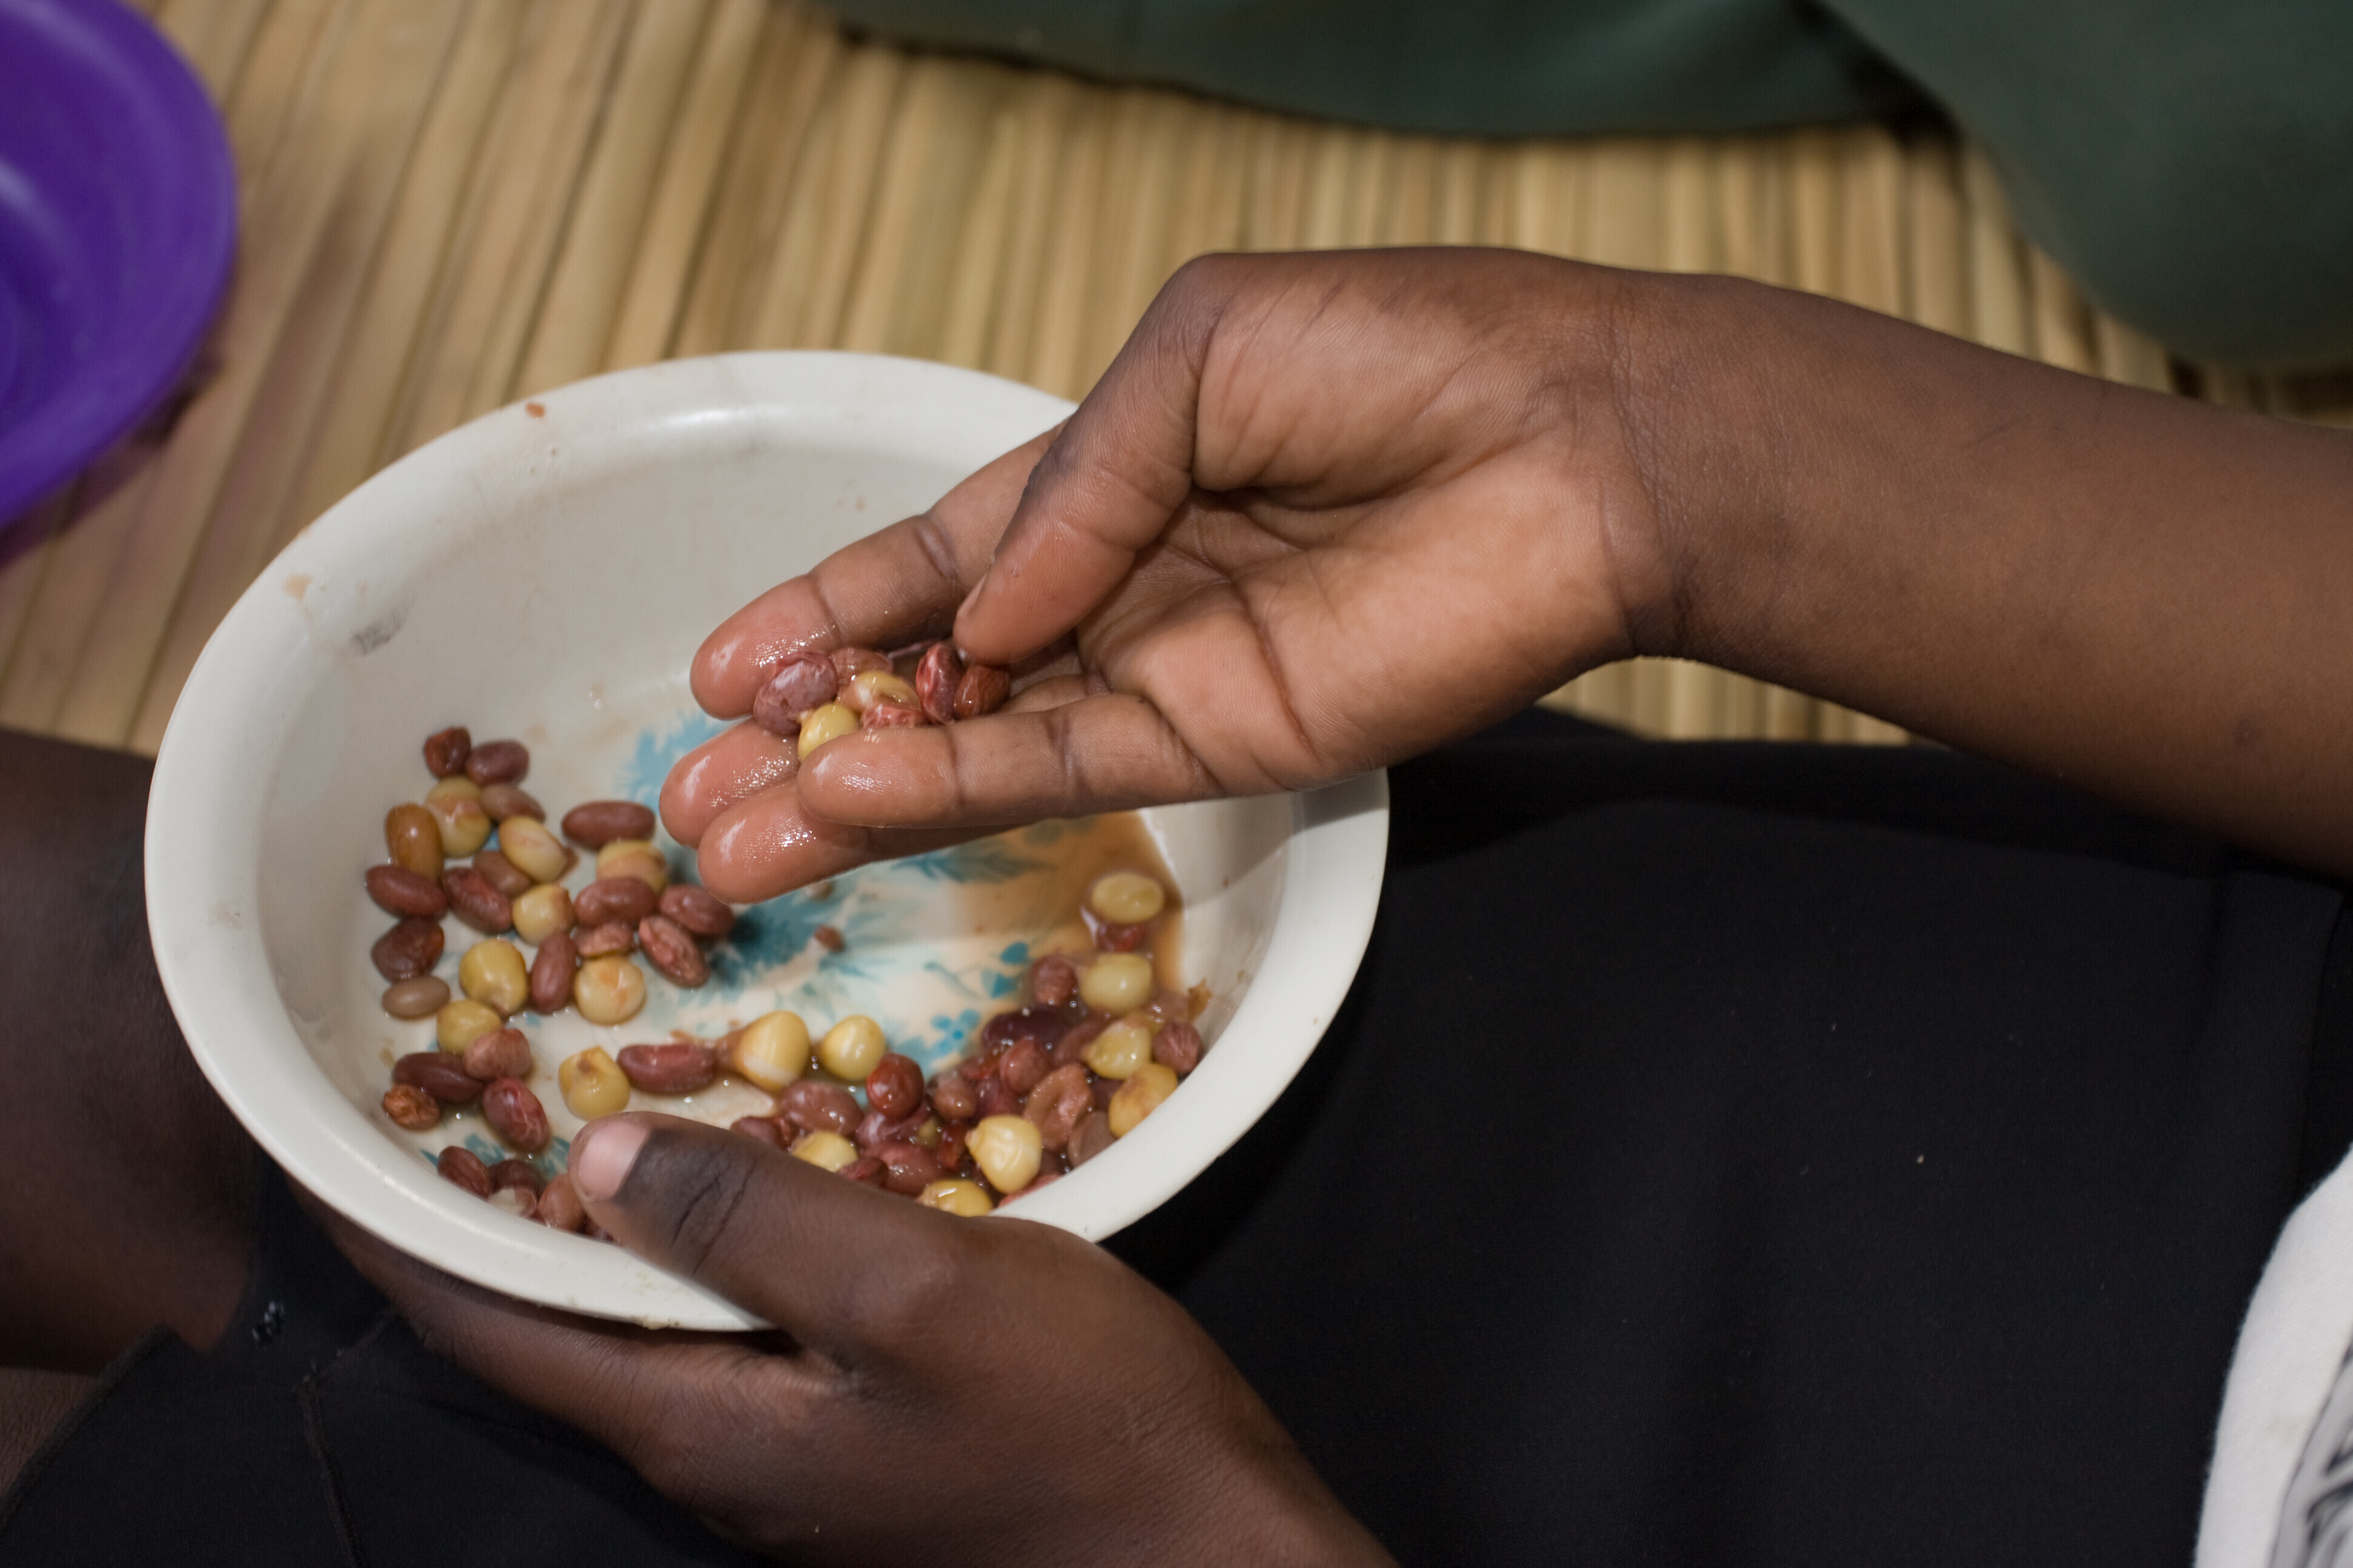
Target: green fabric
<point>2189,162</point>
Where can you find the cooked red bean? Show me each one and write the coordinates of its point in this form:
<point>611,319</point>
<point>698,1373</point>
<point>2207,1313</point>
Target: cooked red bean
<point>982,1063</point>
<point>514,1113</point>
<point>520,1174</point>
<point>908,1168</point>
<point>1110,939</point>
<point>502,873</point>
<point>950,1150</point>
<point>696,909</point>
<point>1056,1106</point>
<point>408,949</point>
<point>603,941</point>
<point>1054,981</point>
<point>438,1073</point>
<point>763,1128</point>
<point>1023,1065</point>
<point>996,1100</point>
<point>1040,1026</point>
<point>895,1087</point>
<point>874,1129</point>
<point>890,715</point>
<point>462,1166</point>
<point>670,949</point>
<point>1072,1046</point>
<point>1104,1088</point>
<point>1178,1047</point>
<point>500,1053</point>
<point>499,762</point>
<point>559,1206</point>
<point>596,823</point>
<point>982,691</point>
<point>552,969</point>
<point>952,1096</point>
<point>446,751</point>
<point>1089,1139</point>
<point>679,1067</point>
<point>411,1107</point>
<point>866,1171</point>
<point>814,1107</point>
<point>500,801</point>
<point>936,674</point>
<point>848,663</point>
<point>803,682</point>
<point>1170,1007</point>
<point>419,996</point>
<point>627,899</point>
<point>478,903</point>
<point>399,891</point>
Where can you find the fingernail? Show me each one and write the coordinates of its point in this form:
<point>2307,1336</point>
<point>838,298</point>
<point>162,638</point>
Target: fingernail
<point>601,1155</point>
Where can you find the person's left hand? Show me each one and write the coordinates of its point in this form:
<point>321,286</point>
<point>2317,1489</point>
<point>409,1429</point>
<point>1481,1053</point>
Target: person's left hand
<point>989,1390</point>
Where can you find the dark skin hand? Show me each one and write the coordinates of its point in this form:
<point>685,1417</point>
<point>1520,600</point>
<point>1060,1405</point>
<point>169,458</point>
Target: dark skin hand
<point>1326,512</point>
<point>998,1390</point>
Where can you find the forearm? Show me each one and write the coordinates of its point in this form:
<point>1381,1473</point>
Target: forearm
<point>2148,597</point>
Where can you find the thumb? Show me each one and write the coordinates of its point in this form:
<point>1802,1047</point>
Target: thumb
<point>776,1236</point>
<point>1111,481</point>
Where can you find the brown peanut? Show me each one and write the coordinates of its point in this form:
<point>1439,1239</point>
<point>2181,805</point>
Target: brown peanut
<point>520,1174</point>
<point>1023,1066</point>
<point>514,1113</point>
<point>625,899</point>
<point>560,1208</point>
<point>408,949</point>
<point>511,880</point>
<point>891,715</point>
<point>763,1128</point>
<point>679,1067</point>
<point>802,683</point>
<point>593,824</point>
<point>477,903</point>
<point>670,949</point>
<point>936,675</point>
<point>1061,1100</point>
<point>500,1054</point>
<point>953,1098</point>
<point>815,1107</point>
<point>499,762</point>
<point>413,839</point>
<point>908,1168</point>
<point>462,1166</point>
<point>602,941</point>
<point>982,691</point>
<point>419,996</point>
<point>1177,1047</point>
<point>437,1073</point>
<point>1089,1139</point>
<point>551,972</point>
<point>1054,981</point>
<point>895,1087</point>
<point>411,1107</point>
<point>446,750</point>
<point>697,909</point>
<point>506,802</point>
<point>400,891</point>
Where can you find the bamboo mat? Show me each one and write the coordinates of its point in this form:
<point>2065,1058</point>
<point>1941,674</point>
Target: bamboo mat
<point>448,205</point>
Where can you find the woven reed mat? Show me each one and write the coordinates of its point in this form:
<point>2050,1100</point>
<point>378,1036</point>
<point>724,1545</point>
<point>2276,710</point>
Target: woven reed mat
<point>450,205</point>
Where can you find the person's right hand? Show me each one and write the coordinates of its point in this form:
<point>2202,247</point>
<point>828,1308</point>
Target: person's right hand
<point>1323,513</point>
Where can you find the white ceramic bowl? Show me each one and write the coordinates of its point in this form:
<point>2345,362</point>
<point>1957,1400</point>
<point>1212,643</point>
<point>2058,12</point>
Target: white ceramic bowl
<point>548,575</point>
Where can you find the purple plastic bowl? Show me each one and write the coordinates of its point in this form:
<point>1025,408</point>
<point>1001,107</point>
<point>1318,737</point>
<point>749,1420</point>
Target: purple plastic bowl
<point>118,224</point>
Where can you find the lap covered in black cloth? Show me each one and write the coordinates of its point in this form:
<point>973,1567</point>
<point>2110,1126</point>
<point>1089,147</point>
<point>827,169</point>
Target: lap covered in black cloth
<point>1740,1154</point>
<point>1758,1154</point>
